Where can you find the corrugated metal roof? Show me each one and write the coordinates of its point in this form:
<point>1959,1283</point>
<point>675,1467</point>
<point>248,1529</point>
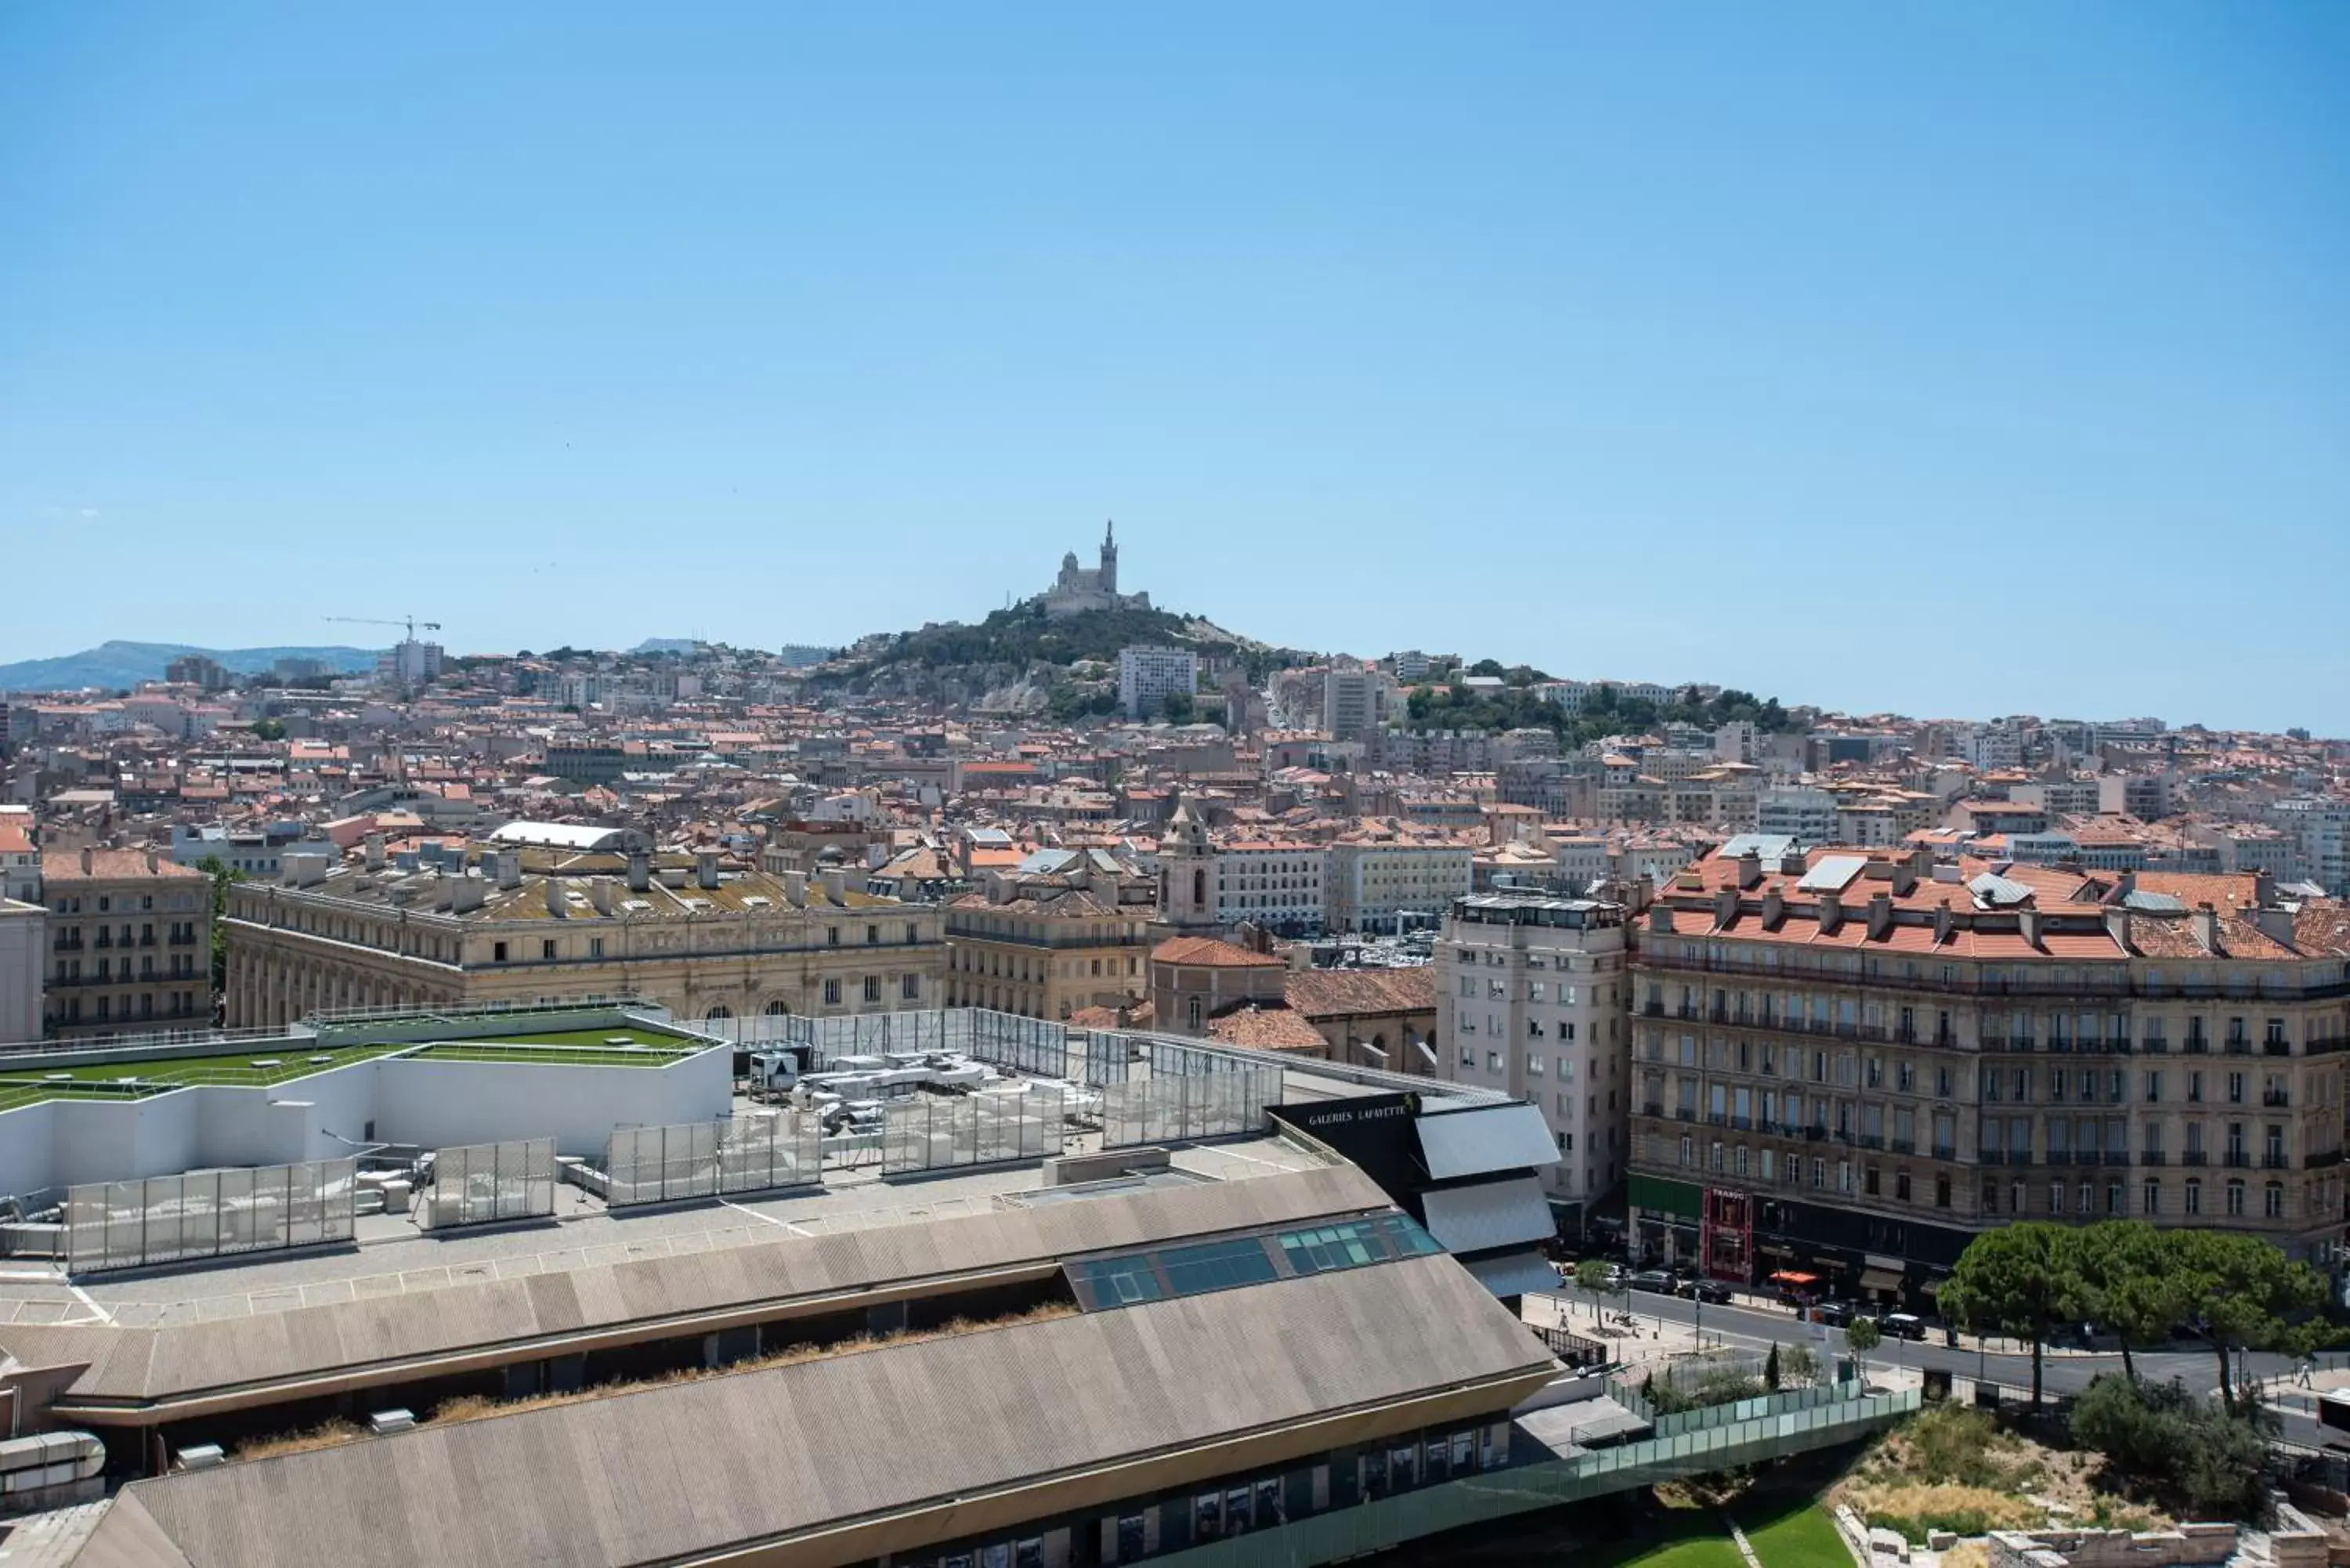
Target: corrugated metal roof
<point>1515,1273</point>
<point>1833,873</point>
<point>183,1360</point>
<point>694,1467</point>
<point>1498,1137</point>
<point>1490,1214</point>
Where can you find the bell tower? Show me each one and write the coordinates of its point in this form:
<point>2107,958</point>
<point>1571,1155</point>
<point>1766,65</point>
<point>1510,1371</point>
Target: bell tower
<point>1108,577</point>
<point>1187,902</point>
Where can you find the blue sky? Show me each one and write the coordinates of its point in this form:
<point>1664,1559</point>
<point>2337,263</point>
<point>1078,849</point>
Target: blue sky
<point>1957,360</point>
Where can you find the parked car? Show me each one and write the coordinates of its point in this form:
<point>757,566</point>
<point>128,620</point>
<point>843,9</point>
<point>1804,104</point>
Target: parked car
<point>1902,1326</point>
<point>1655,1280</point>
<point>1835,1314</point>
<point>1713,1292</point>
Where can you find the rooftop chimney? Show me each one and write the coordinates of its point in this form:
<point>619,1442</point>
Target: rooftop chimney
<point>836,884</point>
<point>2275,924</point>
<point>84,860</point>
<point>2118,926</point>
<point>1831,911</point>
<point>1774,908</point>
<point>151,863</point>
<point>1725,906</point>
<point>2027,919</point>
<point>1660,918</point>
<point>444,890</point>
<point>795,889</point>
<point>375,851</point>
<point>640,871</point>
<point>599,893</point>
<point>557,906</point>
<point>1793,864</point>
<point>1880,915</point>
<point>1905,876</point>
<point>509,865</point>
<point>1750,867</point>
<point>706,868</point>
<point>2205,924</point>
<point>463,893</point>
<point>1943,921</point>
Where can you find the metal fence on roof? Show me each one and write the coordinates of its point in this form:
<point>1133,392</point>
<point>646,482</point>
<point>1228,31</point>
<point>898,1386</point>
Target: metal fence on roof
<point>478,1184</point>
<point>1188,1105</point>
<point>209,1214</point>
<point>935,1132</point>
<point>702,1160</point>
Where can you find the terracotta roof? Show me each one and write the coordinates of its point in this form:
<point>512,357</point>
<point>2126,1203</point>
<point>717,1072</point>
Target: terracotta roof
<point>1208,953</point>
<point>1268,1029</point>
<point>1329,993</point>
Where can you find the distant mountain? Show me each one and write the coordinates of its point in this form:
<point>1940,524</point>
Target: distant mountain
<point>114,666</point>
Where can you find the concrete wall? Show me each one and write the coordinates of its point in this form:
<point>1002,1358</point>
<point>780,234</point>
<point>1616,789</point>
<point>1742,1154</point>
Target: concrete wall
<point>442,1102</point>
<point>59,1142</point>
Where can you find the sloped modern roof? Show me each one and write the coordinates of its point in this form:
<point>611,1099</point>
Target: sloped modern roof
<point>391,1337</point>
<point>759,1458</point>
<point>1499,1137</point>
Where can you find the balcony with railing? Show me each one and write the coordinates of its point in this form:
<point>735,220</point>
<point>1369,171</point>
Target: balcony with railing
<point>2193,1157</point>
<point>2278,1099</point>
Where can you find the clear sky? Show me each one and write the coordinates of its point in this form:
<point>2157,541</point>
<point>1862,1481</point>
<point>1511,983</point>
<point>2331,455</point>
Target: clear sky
<point>1962,360</point>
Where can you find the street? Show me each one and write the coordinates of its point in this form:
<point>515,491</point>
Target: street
<point>2062,1372</point>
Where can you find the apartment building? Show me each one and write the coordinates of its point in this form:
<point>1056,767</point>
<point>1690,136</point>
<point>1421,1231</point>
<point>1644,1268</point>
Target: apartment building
<point>130,937</point>
<point>1801,811</point>
<point>1529,1002</point>
<point>1386,873</point>
<point>23,928</point>
<point>1048,941</point>
<point>1851,1064</point>
<point>704,938</point>
<point>1148,676</point>
<point>20,859</point>
<point>1355,697</point>
<point>1276,884</point>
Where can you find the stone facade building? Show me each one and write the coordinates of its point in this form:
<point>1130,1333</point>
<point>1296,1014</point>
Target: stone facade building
<point>1851,1063</point>
<point>704,938</point>
<point>129,943</point>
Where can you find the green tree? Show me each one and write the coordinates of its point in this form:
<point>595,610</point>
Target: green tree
<point>1771,1368</point>
<point>2159,1439</point>
<point>269,729</point>
<point>1862,1336</point>
<point>2129,1283</point>
<point>213,866</point>
<point>1178,707</point>
<point>2251,1295</point>
<point>2019,1280</point>
<point>1591,1275</point>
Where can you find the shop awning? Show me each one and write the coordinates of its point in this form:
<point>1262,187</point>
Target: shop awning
<point>1880,1279</point>
<point>1794,1277</point>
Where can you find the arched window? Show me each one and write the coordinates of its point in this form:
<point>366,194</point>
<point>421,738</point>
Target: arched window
<point>718,1010</point>
<point>777,1008</point>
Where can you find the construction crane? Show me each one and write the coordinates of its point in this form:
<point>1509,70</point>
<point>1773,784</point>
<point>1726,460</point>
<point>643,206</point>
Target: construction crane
<point>411,622</point>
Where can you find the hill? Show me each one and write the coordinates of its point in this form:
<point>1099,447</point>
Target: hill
<point>115,666</point>
<point>1024,636</point>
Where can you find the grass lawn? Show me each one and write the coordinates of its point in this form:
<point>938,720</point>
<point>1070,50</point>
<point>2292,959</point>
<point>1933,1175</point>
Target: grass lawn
<point>636,1034</point>
<point>1690,1537</point>
<point>1804,1537</point>
<point>28,1084</point>
<point>549,1055</point>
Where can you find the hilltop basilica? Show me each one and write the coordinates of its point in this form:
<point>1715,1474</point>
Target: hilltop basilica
<point>1078,589</point>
